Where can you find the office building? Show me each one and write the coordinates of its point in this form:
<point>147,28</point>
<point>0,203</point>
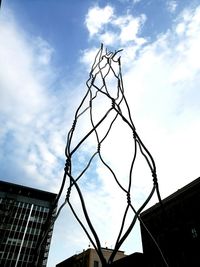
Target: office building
<point>175,225</point>
<point>25,215</point>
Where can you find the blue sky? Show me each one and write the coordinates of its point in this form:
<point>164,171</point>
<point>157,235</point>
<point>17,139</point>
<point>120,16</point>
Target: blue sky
<point>46,50</point>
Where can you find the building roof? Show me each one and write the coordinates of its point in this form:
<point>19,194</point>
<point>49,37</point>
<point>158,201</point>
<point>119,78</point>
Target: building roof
<point>26,191</point>
<point>187,188</point>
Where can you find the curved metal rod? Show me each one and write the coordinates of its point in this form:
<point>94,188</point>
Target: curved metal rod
<point>121,241</point>
<point>87,217</point>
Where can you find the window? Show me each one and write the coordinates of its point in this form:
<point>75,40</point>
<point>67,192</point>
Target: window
<point>194,233</point>
<point>96,264</point>
<point>46,209</point>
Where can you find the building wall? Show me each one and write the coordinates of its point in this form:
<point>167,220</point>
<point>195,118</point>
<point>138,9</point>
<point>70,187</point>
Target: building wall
<point>136,260</point>
<point>94,258</point>
<point>175,227</point>
<point>24,213</point>
<point>89,258</point>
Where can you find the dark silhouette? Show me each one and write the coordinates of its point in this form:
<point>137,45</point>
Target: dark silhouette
<point>175,227</point>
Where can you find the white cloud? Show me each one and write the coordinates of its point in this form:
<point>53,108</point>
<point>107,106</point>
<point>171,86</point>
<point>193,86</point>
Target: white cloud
<point>44,51</point>
<point>97,17</point>
<point>129,27</point>
<point>114,30</point>
<point>187,48</point>
<point>28,119</point>
<point>171,6</point>
<point>166,77</point>
<point>180,28</point>
<point>19,88</point>
<point>87,56</point>
<point>136,1</point>
<point>108,38</point>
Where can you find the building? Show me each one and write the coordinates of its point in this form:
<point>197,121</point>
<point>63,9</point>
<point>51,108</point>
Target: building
<point>25,215</point>
<point>136,259</point>
<point>175,225</point>
<point>89,258</point>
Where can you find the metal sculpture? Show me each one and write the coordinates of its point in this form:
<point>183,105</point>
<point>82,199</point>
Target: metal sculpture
<point>106,66</point>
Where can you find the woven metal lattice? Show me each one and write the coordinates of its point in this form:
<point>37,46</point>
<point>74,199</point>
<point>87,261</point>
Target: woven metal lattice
<point>106,69</point>
<point>105,85</point>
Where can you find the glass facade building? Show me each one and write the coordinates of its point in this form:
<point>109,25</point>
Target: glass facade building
<point>25,215</point>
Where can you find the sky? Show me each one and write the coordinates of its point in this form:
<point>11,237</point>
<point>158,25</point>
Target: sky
<point>46,52</point>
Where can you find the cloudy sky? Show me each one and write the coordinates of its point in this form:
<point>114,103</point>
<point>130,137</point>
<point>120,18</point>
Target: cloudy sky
<point>46,51</point>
